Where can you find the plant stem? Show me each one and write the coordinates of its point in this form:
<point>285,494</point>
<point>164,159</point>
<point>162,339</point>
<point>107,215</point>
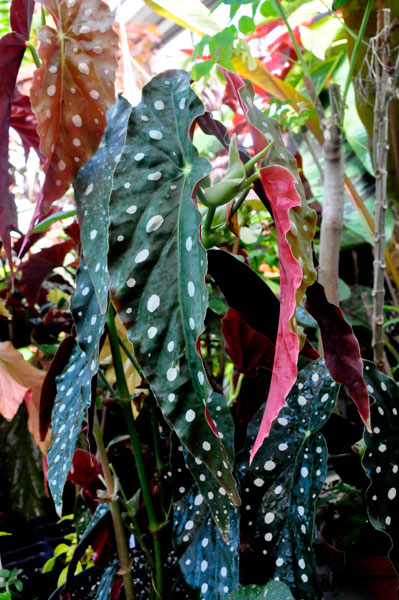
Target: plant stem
<point>233,397</point>
<point>119,530</point>
<point>239,202</point>
<point>130,356</point>
<point>333,201</point>
<point>210,213</point>
<point>380,156</point>
<point>34,54</point>
<point>356,48</point>
<point>125,402</point>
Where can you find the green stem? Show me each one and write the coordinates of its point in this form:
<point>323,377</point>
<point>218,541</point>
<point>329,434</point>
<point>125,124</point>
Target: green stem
<point>106,383</point>
<point>155,432</point>
<point>239,202</point>
<point>119,529</point>
<point>130,357</point>
<point>210,213</point>
<point>356,48</point>
<point>277,6</point>
<point>42,16</point>
<point>252,161</point>
<point>233,397</point>
<point>125,402</point>
<point>34,54</point>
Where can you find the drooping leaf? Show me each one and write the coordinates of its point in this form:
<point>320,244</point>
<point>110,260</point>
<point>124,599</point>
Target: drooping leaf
<point>92,189</point>
<point>295,224</point>
<point>74,385</point>
<point>247,348</point>
<point>89,319</point>
<point>211,492</point>
<point>381,459</point>
<point>72,89</point>
<point>49,388</point>
<point>341,349</point>
<point>21,466</point>
<point>274,590</point>
<point>21,16</point>
<point>71,403</point>
<point>207,548</point>
<point>208,563</point>
<point>158,265</point>
<point>40,265</point>
<point>284,479</point>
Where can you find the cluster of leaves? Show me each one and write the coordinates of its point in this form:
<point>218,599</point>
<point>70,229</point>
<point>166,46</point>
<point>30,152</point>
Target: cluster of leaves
<point>224,482</point>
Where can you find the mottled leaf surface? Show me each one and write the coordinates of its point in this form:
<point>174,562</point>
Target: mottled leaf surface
<point>158,265</point>
<point>274,590</point>
<point>71,403</point>
<point>106,582</point>
<point>87,316</point>
<point>214,494</point>
<point>72,89</point>
<point>381,459</point>
<point>295,225</point>
<point>282,483</point>
<point>341,348</point>
<point>208,563</point>
<point>92,188</point>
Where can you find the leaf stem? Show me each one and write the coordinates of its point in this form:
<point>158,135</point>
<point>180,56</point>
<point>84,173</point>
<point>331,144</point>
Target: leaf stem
<point>233,397</point>
<point>130,356</point>
<point>34,54</point>
<point>119,529</point>
<point>239,202</point>
<point>125,402</point>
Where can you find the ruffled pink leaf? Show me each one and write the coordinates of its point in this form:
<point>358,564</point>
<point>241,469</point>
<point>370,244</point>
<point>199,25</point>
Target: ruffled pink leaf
<point>281,188</point>
<point>72,90</point>
<point>279,185</point>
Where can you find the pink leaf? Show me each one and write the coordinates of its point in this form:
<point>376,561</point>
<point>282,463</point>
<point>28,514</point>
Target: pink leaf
<point>279,185</point>
<point>282,186</point>
<point>72,90</point>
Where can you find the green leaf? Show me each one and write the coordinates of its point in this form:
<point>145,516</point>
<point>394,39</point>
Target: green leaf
<point>71,403</point>
<point>208,563</point>
<point>275,590</point>
<point>338,3</point>
<point>92,188</point>
<point>381,459</point>
<point>105,586</point>
<point>59,216</point>
<point>283,481</point>
<point>267,10</point>
<point>21,460</point>
<point>202,69</point>
<point>246,25</point>
<point>157,263</point>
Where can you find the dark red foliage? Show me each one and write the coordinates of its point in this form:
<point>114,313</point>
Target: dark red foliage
<point>12,49</point>
<point>39,266</point>
<point>24,122</point>
<point>247,348</point>
<point>341,349</point>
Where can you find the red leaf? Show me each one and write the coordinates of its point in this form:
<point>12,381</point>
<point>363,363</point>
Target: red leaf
<point>12,49</point>
<point>39,266</point>
<point>21,16</point>
<point>341,350</point>
<point>25,123</point>
<point>73,89</point>
<point>279,186</point>
<point>247,348</point>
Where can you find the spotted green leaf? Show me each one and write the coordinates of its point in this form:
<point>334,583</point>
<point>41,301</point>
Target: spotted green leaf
<point>74,385</point>
<point>106,582</point>
<point>381,459</point>
<point>71,403</point>
<point>208,563</point>
<point>281,485</point>
<point>157,263</point>
<point>274,590</point>
<point>92,188</point>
